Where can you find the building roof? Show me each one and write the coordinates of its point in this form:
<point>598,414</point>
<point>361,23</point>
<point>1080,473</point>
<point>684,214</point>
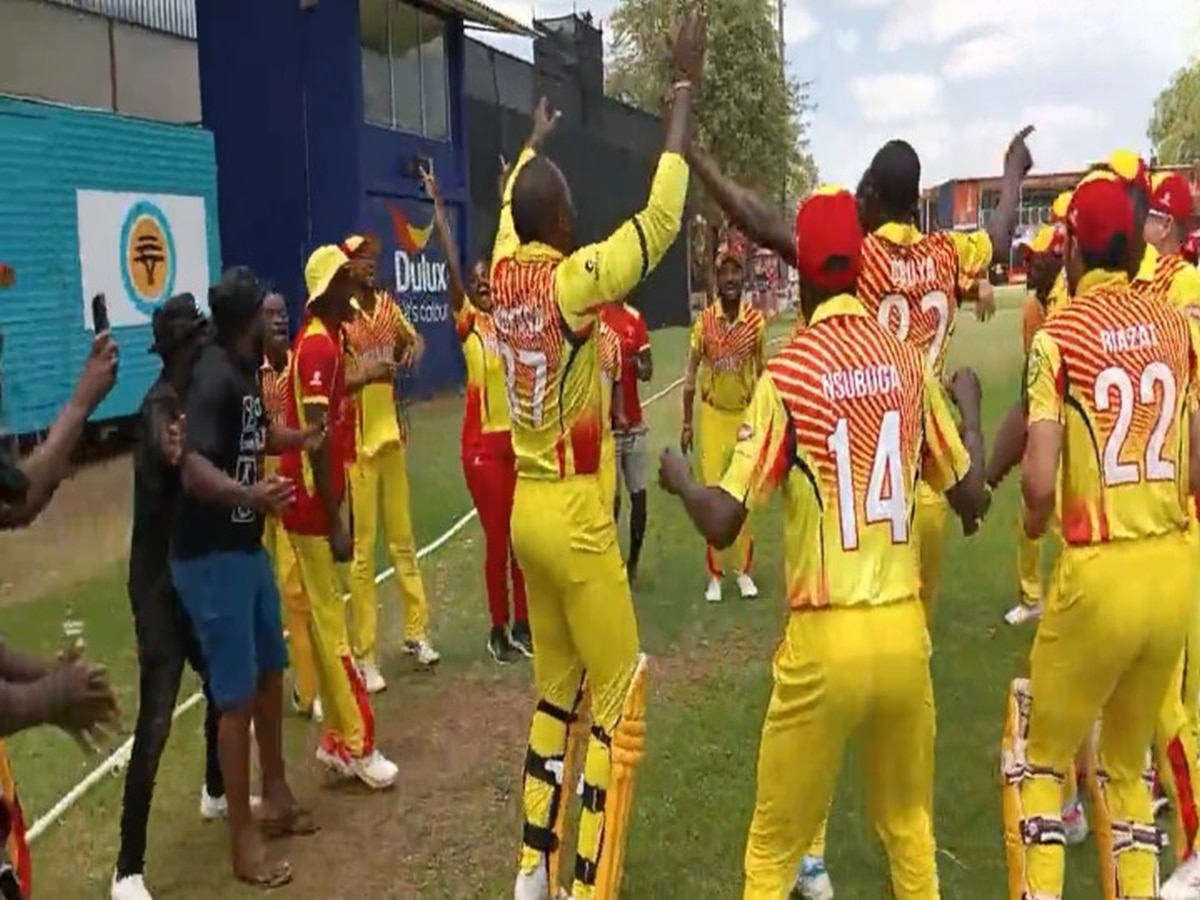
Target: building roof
<point>178,17</point>
<point>1043,180</point>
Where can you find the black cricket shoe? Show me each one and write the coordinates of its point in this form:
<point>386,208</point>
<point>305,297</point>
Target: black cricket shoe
<point>501,647</point>
<point>522,638</point>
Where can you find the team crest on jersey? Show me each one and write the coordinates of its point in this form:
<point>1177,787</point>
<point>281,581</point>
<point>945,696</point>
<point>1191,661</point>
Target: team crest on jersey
<point>745,432</point>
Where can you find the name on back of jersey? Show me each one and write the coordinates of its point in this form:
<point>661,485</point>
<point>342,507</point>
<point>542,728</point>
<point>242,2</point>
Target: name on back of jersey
<point>521,321</point>
<point>864,381</point>
<point>1141,336</point>
<point>911,273</point>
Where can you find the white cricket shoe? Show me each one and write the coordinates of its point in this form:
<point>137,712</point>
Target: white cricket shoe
<point>1184,883</point>
<point>533,884</point>
<point>747,587</point>
<point>712,593</point>
<point>372,678</point>
<point>1022,613</point>
<point>131,887</point>
<point>374,770</point>
<point>813,881</point>
<point>333,756</point>
<point>423,651</point>
<point>214,808</point>
<point>1075,823</point>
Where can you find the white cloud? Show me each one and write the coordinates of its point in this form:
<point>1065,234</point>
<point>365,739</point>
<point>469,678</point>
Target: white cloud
<point>896,96</point>
<point>846,40</point>
<point>982,57</point>
<point>799,24</point>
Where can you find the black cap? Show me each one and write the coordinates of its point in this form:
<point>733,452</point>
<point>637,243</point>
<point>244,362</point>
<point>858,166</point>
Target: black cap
<point>174,323</point>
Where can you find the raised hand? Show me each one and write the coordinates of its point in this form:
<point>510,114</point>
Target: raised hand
<point>505,171</point>
<point>99,371</point>
<point>545,118</point>
<point>1017,158</point>
<point>430,184</point>
<point>689,49</point>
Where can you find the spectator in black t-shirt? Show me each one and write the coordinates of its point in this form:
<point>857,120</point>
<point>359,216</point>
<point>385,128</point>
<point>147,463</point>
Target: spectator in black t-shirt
<point>165,637</point>
<point>224,576</point>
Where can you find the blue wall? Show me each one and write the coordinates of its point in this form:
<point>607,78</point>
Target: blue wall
<point>46,153</point>
<point>281,90</point>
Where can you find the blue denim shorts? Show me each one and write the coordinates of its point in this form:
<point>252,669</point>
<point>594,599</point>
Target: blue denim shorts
<point>233,602</point>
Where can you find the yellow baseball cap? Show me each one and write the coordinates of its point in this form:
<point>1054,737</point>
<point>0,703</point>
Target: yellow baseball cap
<point>1044,240</point>
<point>1058,209</point>
<point>322,267</point>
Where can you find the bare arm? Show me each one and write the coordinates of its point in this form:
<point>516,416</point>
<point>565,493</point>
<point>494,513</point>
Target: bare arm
<point>761,221</point>
<point>20,667</point>
<point>1008,446</point>
<point>644,364</point>
<point>689,387</point>
<point>321,461</point>
<point>1017,163</point>
<point>716,515</point>
<point>206,482</point>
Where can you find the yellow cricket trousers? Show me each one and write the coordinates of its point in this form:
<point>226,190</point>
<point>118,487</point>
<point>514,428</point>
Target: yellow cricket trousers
<point>1029,563</point>
<point>348,715</point>
<point>1107,645</point>
<point>608,467</point>
<point>382,481</point>
<point>296,610</point>
<point>582,617</point>
<point>842,674</point>
<point>715,440</point>
<point>1178,733</point>
<point>929,534</point>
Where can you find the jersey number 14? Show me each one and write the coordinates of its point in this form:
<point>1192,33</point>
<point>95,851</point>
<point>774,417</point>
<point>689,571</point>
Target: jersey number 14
<point>885,496</point>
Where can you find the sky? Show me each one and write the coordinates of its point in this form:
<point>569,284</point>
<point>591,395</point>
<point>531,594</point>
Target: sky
<point>956,78</point>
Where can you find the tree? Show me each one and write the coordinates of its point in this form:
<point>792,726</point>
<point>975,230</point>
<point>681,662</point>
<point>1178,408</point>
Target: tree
<point>750,115</point>
<point>1175,126</point>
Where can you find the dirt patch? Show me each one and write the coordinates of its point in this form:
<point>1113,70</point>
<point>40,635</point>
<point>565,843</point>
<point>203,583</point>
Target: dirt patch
<point>83,533</point>
<point>454,819</point>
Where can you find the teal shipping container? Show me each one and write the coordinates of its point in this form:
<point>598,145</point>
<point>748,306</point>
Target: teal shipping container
<point>94,202</point>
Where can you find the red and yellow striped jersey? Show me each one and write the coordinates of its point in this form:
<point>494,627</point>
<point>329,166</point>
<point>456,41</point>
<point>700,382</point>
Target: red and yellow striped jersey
<point>487,400</point>
<point>1174,280</point>
<point>610,373</point>
<point>274,394</point>
<point>731,354</point>
<point>845,419</point>
<point>911,282</point>
<point>544,311</point>
<point>1116,369</point>
<point>378,335</point>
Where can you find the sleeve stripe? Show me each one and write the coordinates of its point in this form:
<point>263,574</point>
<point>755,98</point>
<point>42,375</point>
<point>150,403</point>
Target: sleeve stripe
<point>641,236</point>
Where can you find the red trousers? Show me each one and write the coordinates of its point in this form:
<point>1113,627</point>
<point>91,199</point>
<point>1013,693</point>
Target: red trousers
<point>490,468</point>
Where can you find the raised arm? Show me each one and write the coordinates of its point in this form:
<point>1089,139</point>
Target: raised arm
<point>761,221</point>
<point>1017,163</point>
<point>458,285</point>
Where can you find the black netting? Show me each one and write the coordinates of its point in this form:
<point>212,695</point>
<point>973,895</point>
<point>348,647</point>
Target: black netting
<point>606,150</point>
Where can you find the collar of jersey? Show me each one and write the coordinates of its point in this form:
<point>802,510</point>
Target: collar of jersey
<point>1149,265</point>
<point>743,307</point>
<point>837,305</point>
<point>536,251</point>
<point>1100,278</point>
<point>899,233</point>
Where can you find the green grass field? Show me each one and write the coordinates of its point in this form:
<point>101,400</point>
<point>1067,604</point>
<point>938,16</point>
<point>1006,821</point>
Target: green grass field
<point>451,827</point>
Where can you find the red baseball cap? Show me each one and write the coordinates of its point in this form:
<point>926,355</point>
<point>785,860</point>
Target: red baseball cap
<point>829,239</point>
<point>1171,195</point>
<point>1191,248</point>
<point>1100,210</point>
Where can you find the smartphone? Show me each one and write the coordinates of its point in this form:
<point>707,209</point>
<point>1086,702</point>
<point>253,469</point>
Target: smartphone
<point>99,314</point>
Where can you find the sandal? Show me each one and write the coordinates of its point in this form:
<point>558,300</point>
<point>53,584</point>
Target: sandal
<point>269,876</point>
<point>296,822</point>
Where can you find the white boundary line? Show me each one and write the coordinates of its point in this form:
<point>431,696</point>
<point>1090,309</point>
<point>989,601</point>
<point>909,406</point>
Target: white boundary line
<point>119,758</point>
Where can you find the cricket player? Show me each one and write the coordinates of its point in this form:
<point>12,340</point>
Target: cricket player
<point>489,464</point>
<point>275,372</point>
<point>1044,256</point>
<point>546,297</point>
<point>379,473</point>
<point>843,422</point>
<point>637,365</point>
<point>1107,387</point>
<point>910,282</point>
<point>316,521</point>
<point>727,352</point>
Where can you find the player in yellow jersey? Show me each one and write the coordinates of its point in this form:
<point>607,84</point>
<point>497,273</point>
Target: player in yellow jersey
<point>486,450</point>
<point>1166,230</point>
<point>382,334</point>
<point>275,375</point>
<point>546,297</point>
<point>844,420</point>
<point>1044,256</point>
<point>727,354</point>
<point>1107,386</point>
